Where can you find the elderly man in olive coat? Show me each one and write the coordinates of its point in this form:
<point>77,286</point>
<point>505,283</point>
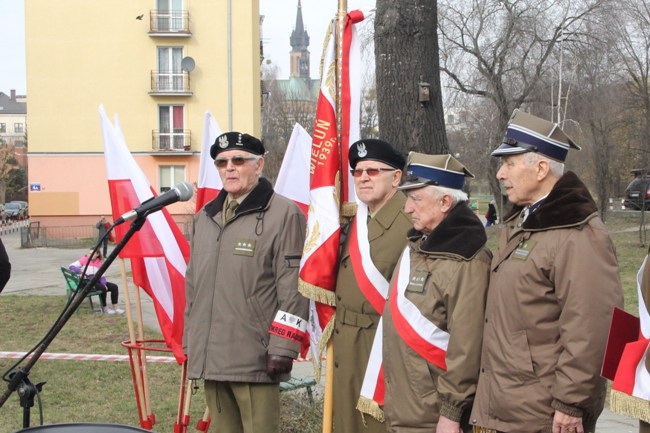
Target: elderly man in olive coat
<point>375,238</point>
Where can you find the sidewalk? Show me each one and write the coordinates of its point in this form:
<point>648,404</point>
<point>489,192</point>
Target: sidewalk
<point>36,271</point>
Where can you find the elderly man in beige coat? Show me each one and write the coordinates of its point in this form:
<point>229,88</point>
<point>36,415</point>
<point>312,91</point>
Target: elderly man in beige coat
<point>433,322</point>
<point>553,287</point>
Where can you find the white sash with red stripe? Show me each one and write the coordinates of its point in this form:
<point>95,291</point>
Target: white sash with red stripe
<point>375,288</point>
<point>418,332</point>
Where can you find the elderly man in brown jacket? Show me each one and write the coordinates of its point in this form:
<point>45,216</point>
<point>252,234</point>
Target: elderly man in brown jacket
<point>244,319</point>
<point>553,287</point>
<point>375,238</point>
<point>433,321</point>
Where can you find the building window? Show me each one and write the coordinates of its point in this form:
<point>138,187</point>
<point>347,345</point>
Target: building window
<point>170,74</point>
<point>170,125</point>
<point>171,175</point>
<point>3,127</point>
<point>18,128</point>
<point>170,15</point>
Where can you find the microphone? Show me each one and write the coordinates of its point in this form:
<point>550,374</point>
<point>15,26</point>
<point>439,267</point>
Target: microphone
<point>180,192</point>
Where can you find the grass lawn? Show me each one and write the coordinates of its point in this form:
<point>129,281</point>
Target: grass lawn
<point>94,391</point>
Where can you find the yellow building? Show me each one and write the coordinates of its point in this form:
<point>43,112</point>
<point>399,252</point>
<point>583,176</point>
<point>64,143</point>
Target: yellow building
<point>159,65</point>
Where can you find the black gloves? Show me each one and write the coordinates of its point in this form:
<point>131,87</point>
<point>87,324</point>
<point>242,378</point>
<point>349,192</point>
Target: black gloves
<point>277,365</point>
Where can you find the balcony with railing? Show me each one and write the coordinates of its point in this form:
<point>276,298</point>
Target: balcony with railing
<point>165,83</point>
<point>169,24</point>
<point>180,140</point>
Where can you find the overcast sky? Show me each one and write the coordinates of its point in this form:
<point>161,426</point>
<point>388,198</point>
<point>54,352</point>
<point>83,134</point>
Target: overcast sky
<point>279,21</point>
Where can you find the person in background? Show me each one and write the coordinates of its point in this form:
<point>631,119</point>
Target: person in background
<point>5,266</point>
<point>103,226</point>
<point>244,317</point>
<point>491,214</point>
<point>554,284</point>
<point>94,262</point>
<point>433,321</point>
<point>374,241</point>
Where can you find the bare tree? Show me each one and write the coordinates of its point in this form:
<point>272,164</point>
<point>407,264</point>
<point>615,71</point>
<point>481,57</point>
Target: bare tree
<point>501,49</point>
<point>409,100</point>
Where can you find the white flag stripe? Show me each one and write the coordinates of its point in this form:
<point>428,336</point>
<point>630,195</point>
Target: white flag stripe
<point>208,174</point>
<point>293,177</point>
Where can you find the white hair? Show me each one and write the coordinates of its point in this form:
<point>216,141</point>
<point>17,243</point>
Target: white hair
<point>456,195</point>
<point>555,167</point>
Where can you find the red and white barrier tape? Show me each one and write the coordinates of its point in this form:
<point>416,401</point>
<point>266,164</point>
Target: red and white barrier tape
<point>85,357</point>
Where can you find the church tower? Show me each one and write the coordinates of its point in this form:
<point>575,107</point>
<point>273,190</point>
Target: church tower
<point>299,48</point>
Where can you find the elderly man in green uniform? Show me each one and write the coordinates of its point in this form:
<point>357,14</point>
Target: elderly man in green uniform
<point>553,287</point>
<point>433,321</point>
<point>375,239</point>
<point>244,318</point>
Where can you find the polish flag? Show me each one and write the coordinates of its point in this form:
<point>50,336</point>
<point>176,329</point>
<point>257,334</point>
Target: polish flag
<point>159,252</point>
<point>631,386</point>
<point>293,177</point>
<point>209,183</point>
<point>330,185</point>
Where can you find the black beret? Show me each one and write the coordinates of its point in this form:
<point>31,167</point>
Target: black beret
<point>375,150</point>
<point>236,141</point>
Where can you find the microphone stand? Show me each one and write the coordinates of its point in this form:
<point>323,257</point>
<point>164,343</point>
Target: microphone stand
<point>19,379</point>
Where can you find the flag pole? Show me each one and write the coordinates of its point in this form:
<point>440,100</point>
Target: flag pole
<point>328,399</point>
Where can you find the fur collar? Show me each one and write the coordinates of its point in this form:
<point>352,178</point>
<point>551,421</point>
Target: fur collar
<point>568,204</point>
<point>461,233</point>
<point>257,200</point>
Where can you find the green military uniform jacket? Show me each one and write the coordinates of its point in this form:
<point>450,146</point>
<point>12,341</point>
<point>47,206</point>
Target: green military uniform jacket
<point>356,319</point>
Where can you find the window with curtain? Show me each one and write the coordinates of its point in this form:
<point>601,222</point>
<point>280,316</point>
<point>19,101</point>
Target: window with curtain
<point>170,15</point>
<point>170,74</point>
<point>170,175</point>
<point>171,127</point>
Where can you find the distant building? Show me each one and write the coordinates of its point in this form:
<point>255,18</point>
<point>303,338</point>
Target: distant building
<point>160,70</point>
<point>13,119</point>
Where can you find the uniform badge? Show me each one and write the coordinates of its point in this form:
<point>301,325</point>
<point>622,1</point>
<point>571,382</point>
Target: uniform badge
<point>523,250</point>
<point>361,150</point>
<point>418,282</point>
<point>223,142</point>
<point>239,143</point>
<point>245,247</point>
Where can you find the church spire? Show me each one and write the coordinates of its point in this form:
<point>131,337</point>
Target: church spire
<point>299,47</point>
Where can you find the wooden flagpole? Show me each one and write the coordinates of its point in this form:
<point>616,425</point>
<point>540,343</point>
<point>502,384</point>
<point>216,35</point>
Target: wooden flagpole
<point>132,338</point>
<point>328,409</point>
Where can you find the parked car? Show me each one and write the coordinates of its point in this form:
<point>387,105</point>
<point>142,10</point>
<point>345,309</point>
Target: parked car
<point>637,193</point>
<point>22,204</point>
<point>14,211</point>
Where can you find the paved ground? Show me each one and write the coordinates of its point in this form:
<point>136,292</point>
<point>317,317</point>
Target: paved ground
<point>36,271</point>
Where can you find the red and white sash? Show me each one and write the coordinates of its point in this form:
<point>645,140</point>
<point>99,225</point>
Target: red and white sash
<point>418,332</point>
<point>375,288</point>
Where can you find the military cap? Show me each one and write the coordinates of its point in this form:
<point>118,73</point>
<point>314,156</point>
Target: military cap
<point>437,170</point>
<point>527,133</point>
<point>375,150</point>
<point>236,141</point>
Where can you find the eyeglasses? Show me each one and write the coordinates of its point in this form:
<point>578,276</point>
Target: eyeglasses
<point>236,160</point>
<point>372,172</point>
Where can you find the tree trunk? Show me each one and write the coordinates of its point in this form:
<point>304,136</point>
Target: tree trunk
<point>406,55</point>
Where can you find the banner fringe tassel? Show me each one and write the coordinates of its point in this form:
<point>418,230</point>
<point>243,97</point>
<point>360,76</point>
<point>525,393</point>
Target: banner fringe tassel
<point>629,405</point>
<point>316,293</point>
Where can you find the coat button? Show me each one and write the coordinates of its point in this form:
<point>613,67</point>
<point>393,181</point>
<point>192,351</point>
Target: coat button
<point>336,364</point>
<point>338,297</point>
<point>482,370</point>
<point>474,421</point>
<point>486,320</point>
<point>336,330</point>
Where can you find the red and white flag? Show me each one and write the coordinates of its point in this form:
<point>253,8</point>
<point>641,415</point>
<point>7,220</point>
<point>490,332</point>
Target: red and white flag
<point>159,252</point>
<point>209,183</point>
<point>293,177</point>
<point>631,386</point>
<point>329,182</point>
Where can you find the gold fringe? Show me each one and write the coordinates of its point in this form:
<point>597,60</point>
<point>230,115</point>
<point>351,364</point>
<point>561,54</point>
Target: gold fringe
<point>371,407</point>
<point>629,405</point>
<point>349,209</point>
<point>316,293</point>
<point>477,429</point>
<point>322,346</point>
